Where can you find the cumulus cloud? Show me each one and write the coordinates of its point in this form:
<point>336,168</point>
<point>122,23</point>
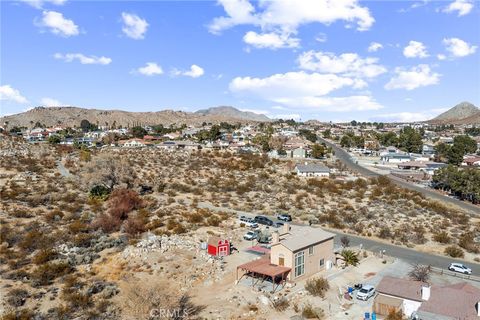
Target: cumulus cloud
<point>459,48</point>
<point>133,26</point>
<point>409,116</point>
<point>150,69</point>
<point>415,49</point>
<point>40,3</point>
<point>58,24</point>
<point>290,14</point>
<point>277,18</point>
<point>304,90</point>
<point>7,93</point>
<point>441,56</point>
<point>415,77</point>
<point>83,59</point>
<point>194,72</point>
<point>50,102</point>
<point>270,40</point>
<point>374,46</point>
<point>463,7</point>
<point>349,64</point>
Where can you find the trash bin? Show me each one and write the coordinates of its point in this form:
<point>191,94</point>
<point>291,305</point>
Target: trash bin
<point>367,315</point>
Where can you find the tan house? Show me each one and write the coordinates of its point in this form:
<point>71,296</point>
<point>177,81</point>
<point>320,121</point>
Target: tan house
<point>306,251</point>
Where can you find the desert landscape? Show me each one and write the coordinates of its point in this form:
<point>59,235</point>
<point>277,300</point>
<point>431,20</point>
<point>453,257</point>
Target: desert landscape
<point>71,247</point>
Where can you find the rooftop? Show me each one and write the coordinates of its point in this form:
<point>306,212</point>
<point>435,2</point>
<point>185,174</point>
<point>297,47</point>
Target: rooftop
<point>303,237</point>
<point>312,168</point>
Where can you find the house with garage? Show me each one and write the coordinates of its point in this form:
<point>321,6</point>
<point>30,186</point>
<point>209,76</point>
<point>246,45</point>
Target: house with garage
<point>312,170</point>
<point>296,253</point>
<point>424,301</point>
<point>306,250</point>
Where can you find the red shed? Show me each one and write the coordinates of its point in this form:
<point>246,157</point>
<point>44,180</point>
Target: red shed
<point>218,247</point>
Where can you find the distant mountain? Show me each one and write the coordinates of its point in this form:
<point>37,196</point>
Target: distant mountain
<point>233,113</point>
<point>462,113</point>
<point>72,116</point>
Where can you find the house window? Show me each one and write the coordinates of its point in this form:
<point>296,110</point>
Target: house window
<point>322,262</point>
<point>299,264</point>
<point>310,250</point>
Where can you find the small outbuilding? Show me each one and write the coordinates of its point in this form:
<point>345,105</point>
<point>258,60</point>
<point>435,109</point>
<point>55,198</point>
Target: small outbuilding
<point>218,247</point>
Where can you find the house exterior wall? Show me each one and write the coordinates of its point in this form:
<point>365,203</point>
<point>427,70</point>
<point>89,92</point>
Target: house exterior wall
<point>322,250</point>
<point>408,306</point>
<point>313,174</point>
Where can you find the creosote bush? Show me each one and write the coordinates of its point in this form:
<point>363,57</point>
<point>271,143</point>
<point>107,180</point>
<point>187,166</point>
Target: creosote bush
<point>317,286</point>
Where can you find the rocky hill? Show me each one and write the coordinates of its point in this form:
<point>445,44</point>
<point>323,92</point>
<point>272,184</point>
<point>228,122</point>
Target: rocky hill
<point>72,116</point>
<point>233,113</point>
<point>462,113</point>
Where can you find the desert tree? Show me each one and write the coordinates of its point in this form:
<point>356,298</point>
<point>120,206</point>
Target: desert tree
<point>420,272</point>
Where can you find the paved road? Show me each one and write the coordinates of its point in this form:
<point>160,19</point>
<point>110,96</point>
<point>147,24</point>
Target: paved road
<point>402,253</point>
<point>405,254</point>
<point>345,158</point>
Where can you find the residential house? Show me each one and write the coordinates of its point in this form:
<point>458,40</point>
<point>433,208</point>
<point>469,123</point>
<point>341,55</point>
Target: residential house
<point>132,143</point>
<point>428,166</point>
<point>298,153</point>
<point>471,161</point>
<point>306,250</point>
<point>395,157</point>
<point>422,301</point>
<point>312,170</point>
<point>428,149</point>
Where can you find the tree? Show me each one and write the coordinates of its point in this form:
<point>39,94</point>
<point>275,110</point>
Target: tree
<point>85,125</point>
<point>318,151</point>
<point>350,257</point>
<point>327,134</point>
<point>55,139</point>
<point>346,141</point>
<point>410,140</point>
<point>420,272</point>
<point>395,315</point>
<point>345,241</point>
<point>138,132</point>
<point>109,171</point>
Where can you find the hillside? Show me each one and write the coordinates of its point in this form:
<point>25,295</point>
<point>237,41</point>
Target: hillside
<point>232,113</point>
<point>462,113</point>
<point>72,116</point>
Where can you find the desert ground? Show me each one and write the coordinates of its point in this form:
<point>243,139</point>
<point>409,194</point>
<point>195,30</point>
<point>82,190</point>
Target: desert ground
<point>116,233</point>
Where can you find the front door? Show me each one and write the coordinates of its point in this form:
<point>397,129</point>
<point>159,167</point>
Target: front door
<point>281,261</point>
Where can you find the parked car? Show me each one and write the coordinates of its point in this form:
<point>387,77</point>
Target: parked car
<point>251,224</point>
<point>263,220</point>
<point>250,235</point>
<point>365,292</point>
<point>244,219</point>
<point>278,224</point>
<point>458,267</point>
<point>284,217</point>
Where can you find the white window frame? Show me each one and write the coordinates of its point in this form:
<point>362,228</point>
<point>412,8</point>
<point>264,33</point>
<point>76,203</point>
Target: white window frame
<point>299,263</point>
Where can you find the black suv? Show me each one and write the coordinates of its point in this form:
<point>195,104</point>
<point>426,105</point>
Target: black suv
<point>263,220</point>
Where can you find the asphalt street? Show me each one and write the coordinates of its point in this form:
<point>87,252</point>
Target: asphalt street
<point>345,158</point>
<point>405,254</point>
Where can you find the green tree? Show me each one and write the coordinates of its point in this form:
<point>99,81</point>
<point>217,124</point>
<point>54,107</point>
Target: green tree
<point>410,140</point>
<point>350,257</point>
<point>138,132</point>
<point>55,139</point>
<point>318,151</point>
<point>346,141</point>
<point>327,134</point>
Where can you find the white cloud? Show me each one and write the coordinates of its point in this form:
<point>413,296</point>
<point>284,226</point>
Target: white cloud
<point>304,90</point>
<point>150,69</point>
<point>7,93</point>
<point>458,47</point>
<point>83,59</point>
<point>50,102</point>
<point>348,64</point>
<point>271,40</point>
<point>288,15</point>
<point>441,56</point>
<point>419,76</point>
<point>462,6</point>
<point>194,72</point>
<point>374,46</point>
<point>58,24</point>
<point>264,112</point>
<point>415,49</point>
<point>134,26</point>
<point>40,3</point>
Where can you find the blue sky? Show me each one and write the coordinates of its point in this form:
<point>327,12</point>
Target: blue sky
<point>326,60</point>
